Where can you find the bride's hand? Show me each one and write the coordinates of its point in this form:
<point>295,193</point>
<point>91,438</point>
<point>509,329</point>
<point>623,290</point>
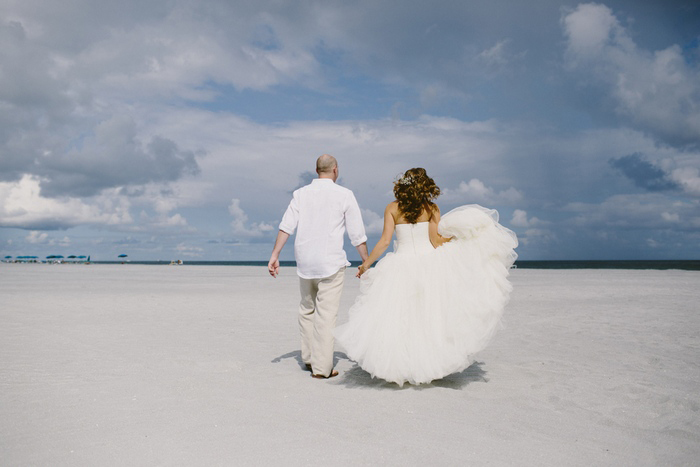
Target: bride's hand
<point>361,269</point>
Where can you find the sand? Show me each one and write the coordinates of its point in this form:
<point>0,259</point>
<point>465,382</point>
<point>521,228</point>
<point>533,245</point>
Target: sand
<point>187,365</point>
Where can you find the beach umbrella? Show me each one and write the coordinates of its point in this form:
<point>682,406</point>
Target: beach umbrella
<point>122,256</point>
<point>8,257</point>
<point>82,257</point>
<point>51,257</point>
<point>72,257</point>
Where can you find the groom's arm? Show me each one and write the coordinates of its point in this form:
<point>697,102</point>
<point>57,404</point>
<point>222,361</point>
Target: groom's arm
<point>355,227</point>
<point>286,229</point>
<point>273,266</point>
<point>362,250</point>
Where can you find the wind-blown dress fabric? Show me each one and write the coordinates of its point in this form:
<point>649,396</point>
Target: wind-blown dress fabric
<point>423,312</point>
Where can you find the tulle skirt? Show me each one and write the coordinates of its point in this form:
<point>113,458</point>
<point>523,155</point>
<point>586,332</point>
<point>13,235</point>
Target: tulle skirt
<point>422,317</point>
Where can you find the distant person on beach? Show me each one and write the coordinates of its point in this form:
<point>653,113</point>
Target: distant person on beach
<point>320,213</point>
<point>429,306</point>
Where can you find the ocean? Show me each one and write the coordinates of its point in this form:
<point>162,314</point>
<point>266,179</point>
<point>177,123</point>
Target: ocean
<point>688,265</point>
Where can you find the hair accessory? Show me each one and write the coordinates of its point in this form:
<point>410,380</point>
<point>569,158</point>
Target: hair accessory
<point>406,180</point>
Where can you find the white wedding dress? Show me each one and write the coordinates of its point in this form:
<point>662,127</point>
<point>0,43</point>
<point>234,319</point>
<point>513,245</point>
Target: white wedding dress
<point>423,312</point>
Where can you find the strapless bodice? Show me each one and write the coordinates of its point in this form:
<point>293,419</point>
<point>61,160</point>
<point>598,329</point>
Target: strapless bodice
<point>413,239</point>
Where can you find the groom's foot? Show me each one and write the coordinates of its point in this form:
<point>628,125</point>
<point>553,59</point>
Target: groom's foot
<point>333,373</point>
<point>308,366</point>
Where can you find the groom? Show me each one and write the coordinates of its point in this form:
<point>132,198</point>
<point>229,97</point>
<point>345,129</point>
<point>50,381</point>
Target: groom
<point>320,213</point>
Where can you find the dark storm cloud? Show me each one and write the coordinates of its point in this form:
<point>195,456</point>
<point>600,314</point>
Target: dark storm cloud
<point>38,110</point>
<point>114,157</point>
<point>643,173</point>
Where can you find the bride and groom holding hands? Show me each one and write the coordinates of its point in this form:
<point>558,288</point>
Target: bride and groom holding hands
<point>426,308</point>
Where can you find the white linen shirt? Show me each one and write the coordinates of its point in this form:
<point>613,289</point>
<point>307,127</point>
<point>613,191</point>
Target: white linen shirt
<point>320,212</point>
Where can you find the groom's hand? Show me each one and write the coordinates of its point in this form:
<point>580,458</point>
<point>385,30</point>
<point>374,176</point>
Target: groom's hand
<point>273,267</point>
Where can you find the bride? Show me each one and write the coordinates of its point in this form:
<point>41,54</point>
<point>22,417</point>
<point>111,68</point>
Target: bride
<point>429,306</point>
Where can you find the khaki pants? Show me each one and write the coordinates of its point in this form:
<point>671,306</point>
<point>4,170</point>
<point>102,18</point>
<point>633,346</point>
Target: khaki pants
<point>318,311</point>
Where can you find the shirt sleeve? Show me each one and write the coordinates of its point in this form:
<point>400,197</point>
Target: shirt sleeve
<point>291,217</point>
<point>353,222</point>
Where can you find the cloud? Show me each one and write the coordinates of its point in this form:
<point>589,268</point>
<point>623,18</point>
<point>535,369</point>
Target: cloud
<point>689,179</point>
<point>643,174</point>
<point>42,238</point>
<point>520,219</point>
<point>475,191</point>
<point>28,79</point>
<point>241,154</point>
<point>114,157</point>
<point>670,217</point>
<point>484,162</point>
<point>449,45</point>
<point>499,58</point>
<point>166,49</point>
<point>162,221</point>
<point>656,91</point>
<point>535,232</point>
<point>589,29</point>
<point>111,156</point>
<point>240,224</point>
<point>643,212</point>
<point>538,236</point>
<point>37,237</point>
<point>157,202</point>
<point>22,205</point>
<point>374,223</point>
<point>191,251</point>
<point>496,55</point>
<point>67,87</point>
<point>128,240</point>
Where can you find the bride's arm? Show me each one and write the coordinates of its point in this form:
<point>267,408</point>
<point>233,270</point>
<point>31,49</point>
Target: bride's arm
<point>384,240</point>
<point>435,238</point>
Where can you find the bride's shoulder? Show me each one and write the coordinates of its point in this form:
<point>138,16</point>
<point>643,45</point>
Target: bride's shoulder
<point>392,209</point>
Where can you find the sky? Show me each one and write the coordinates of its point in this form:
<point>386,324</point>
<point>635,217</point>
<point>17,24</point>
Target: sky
<point>178,129</point>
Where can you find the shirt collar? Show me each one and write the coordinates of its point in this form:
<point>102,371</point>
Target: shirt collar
<point>322,180</point>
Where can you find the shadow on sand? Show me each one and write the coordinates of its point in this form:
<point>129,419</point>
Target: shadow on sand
<point>357,377</point>
<point>296,355</point>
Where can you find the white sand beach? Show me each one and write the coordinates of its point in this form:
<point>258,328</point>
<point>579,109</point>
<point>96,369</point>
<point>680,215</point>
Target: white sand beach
<point>185,365</point>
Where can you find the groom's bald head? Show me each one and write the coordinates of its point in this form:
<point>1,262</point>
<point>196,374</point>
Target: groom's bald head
<point>325,164</point>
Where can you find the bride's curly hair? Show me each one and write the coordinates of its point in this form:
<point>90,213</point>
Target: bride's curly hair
<point>415,192</point>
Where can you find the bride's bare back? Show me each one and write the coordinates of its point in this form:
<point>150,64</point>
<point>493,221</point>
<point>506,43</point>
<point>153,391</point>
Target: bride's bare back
<point>392,218</point>
<point>399,218</point>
